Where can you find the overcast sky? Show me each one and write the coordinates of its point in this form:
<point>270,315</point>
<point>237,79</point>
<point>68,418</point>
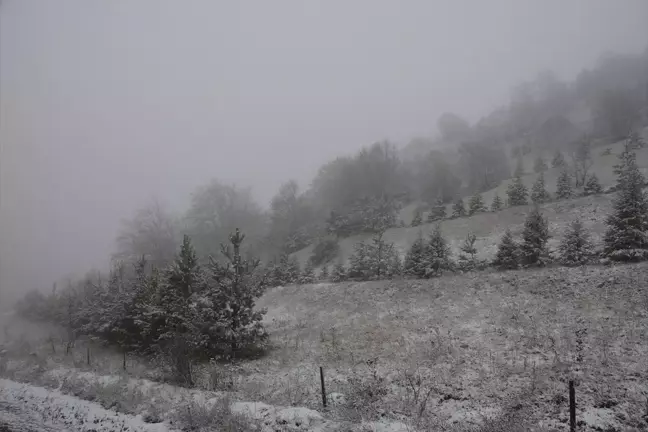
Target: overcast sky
<point>106,103</point>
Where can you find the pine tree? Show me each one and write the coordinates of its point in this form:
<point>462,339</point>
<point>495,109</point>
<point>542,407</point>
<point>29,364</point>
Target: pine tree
<point>558,160</point>
<point>324,274</point>
<point>308,275</point>
<point>359,267</point>
<point>438,254</point>
<point>339,273</point>
<point>468,256</point>
<point>635,141</point>
<point>183,277</point>
<point>415,264</point>
<point>458,209</point>
<point>564,186</point>
<point>575,247</point>
<point>293,272</point>
<point>593,187</point>
<point>625,238</point>
<point>417,219</point>
<point>539,193</point>
<point>476,204</point>
<point>540,165</point>
<point>438,211</point>
<point>508,254</point>
<point>519,168</point>
<point>497,203</point>
<point>382,257</point>
<point>233,290</point>
<point>534,239</point>
<point>517,192</point>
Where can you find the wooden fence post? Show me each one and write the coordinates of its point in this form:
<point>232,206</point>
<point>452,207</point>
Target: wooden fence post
<point>88,355</point>
<point>572,407</point>
<point>124,364</point>
<point>323,386</point>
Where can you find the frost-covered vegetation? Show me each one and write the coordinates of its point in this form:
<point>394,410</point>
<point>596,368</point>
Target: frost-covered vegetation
<point>509,313</point>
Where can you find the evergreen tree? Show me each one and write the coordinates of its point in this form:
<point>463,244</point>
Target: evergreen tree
<point>458,209</point>
<point>519,167</point>
<point>517,192</point>
<point>564,186</point>
<point>383,258</point>
<point>324,274</point>
<point>232,290</point>
<point>468,256</point>
<point>438,254</point>
<point>575,247</point>
<point>183,277</point>
<point>438,211</point>
<point>415,264</point>
<point>497,203</point>
<point>534,239</point>
<point>558,160</point>
<point>359,267</point>
<point>339,273</point>
<point>476,204</point>
<point>508,254</point>
<point>308,275</point>
<point>293,271</point>
<point>540,165</point>
<point>539,193</point>
<point>625,238</point>
<point>593,187</point>
<point>635,141</point>
<point>417,219</point>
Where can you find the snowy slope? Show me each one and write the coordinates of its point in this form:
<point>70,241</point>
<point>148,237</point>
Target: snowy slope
<point>28,408</point>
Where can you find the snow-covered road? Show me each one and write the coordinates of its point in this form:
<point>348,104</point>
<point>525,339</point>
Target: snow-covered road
<point>26,408</point>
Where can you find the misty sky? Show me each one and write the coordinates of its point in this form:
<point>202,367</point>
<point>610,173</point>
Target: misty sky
<point>104,104</point>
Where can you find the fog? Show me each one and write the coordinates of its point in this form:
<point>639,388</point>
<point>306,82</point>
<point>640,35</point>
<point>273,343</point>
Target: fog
<point>106,104</point>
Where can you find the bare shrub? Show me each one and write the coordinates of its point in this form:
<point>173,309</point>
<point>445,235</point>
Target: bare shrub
<point>200,416</point>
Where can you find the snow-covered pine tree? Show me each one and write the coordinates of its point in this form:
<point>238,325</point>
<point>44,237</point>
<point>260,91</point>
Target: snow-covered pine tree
<point>564,186</point>
<point>233,289</point>
<point>438,211</point>
<point>178,335</point>
<point>438,254</point>
<point>382,257</point>
<point>517,193</point>
<point>497,203</point>
<point>519,167</point>
<point>359,266</point>
<point>625,238</point>
<point>635,141</point>
<point>183,277</point>
<point>339,273</point>
<point>508,253</point>
<point>324,274</point>
<point>558,160</point>
<point>539,193</point>
<point>468,255</point>
<point>593,186</point>
<point>417,218</point>
<point>458,209</point>
<point>293,272</point>
<point>308,275</point>
<point>476,204</point>
<point>533,249</point>
<point>540,165</point>
<point>575,247</point>
<point>415,264</point>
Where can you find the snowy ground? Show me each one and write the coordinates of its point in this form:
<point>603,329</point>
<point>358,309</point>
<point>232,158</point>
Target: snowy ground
<point>25,407</point>
<point>431,355</point>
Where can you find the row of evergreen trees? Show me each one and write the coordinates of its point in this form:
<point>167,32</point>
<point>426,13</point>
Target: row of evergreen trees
<point>518,194</point>
<point>625,240</point>
<point>198,312</point>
